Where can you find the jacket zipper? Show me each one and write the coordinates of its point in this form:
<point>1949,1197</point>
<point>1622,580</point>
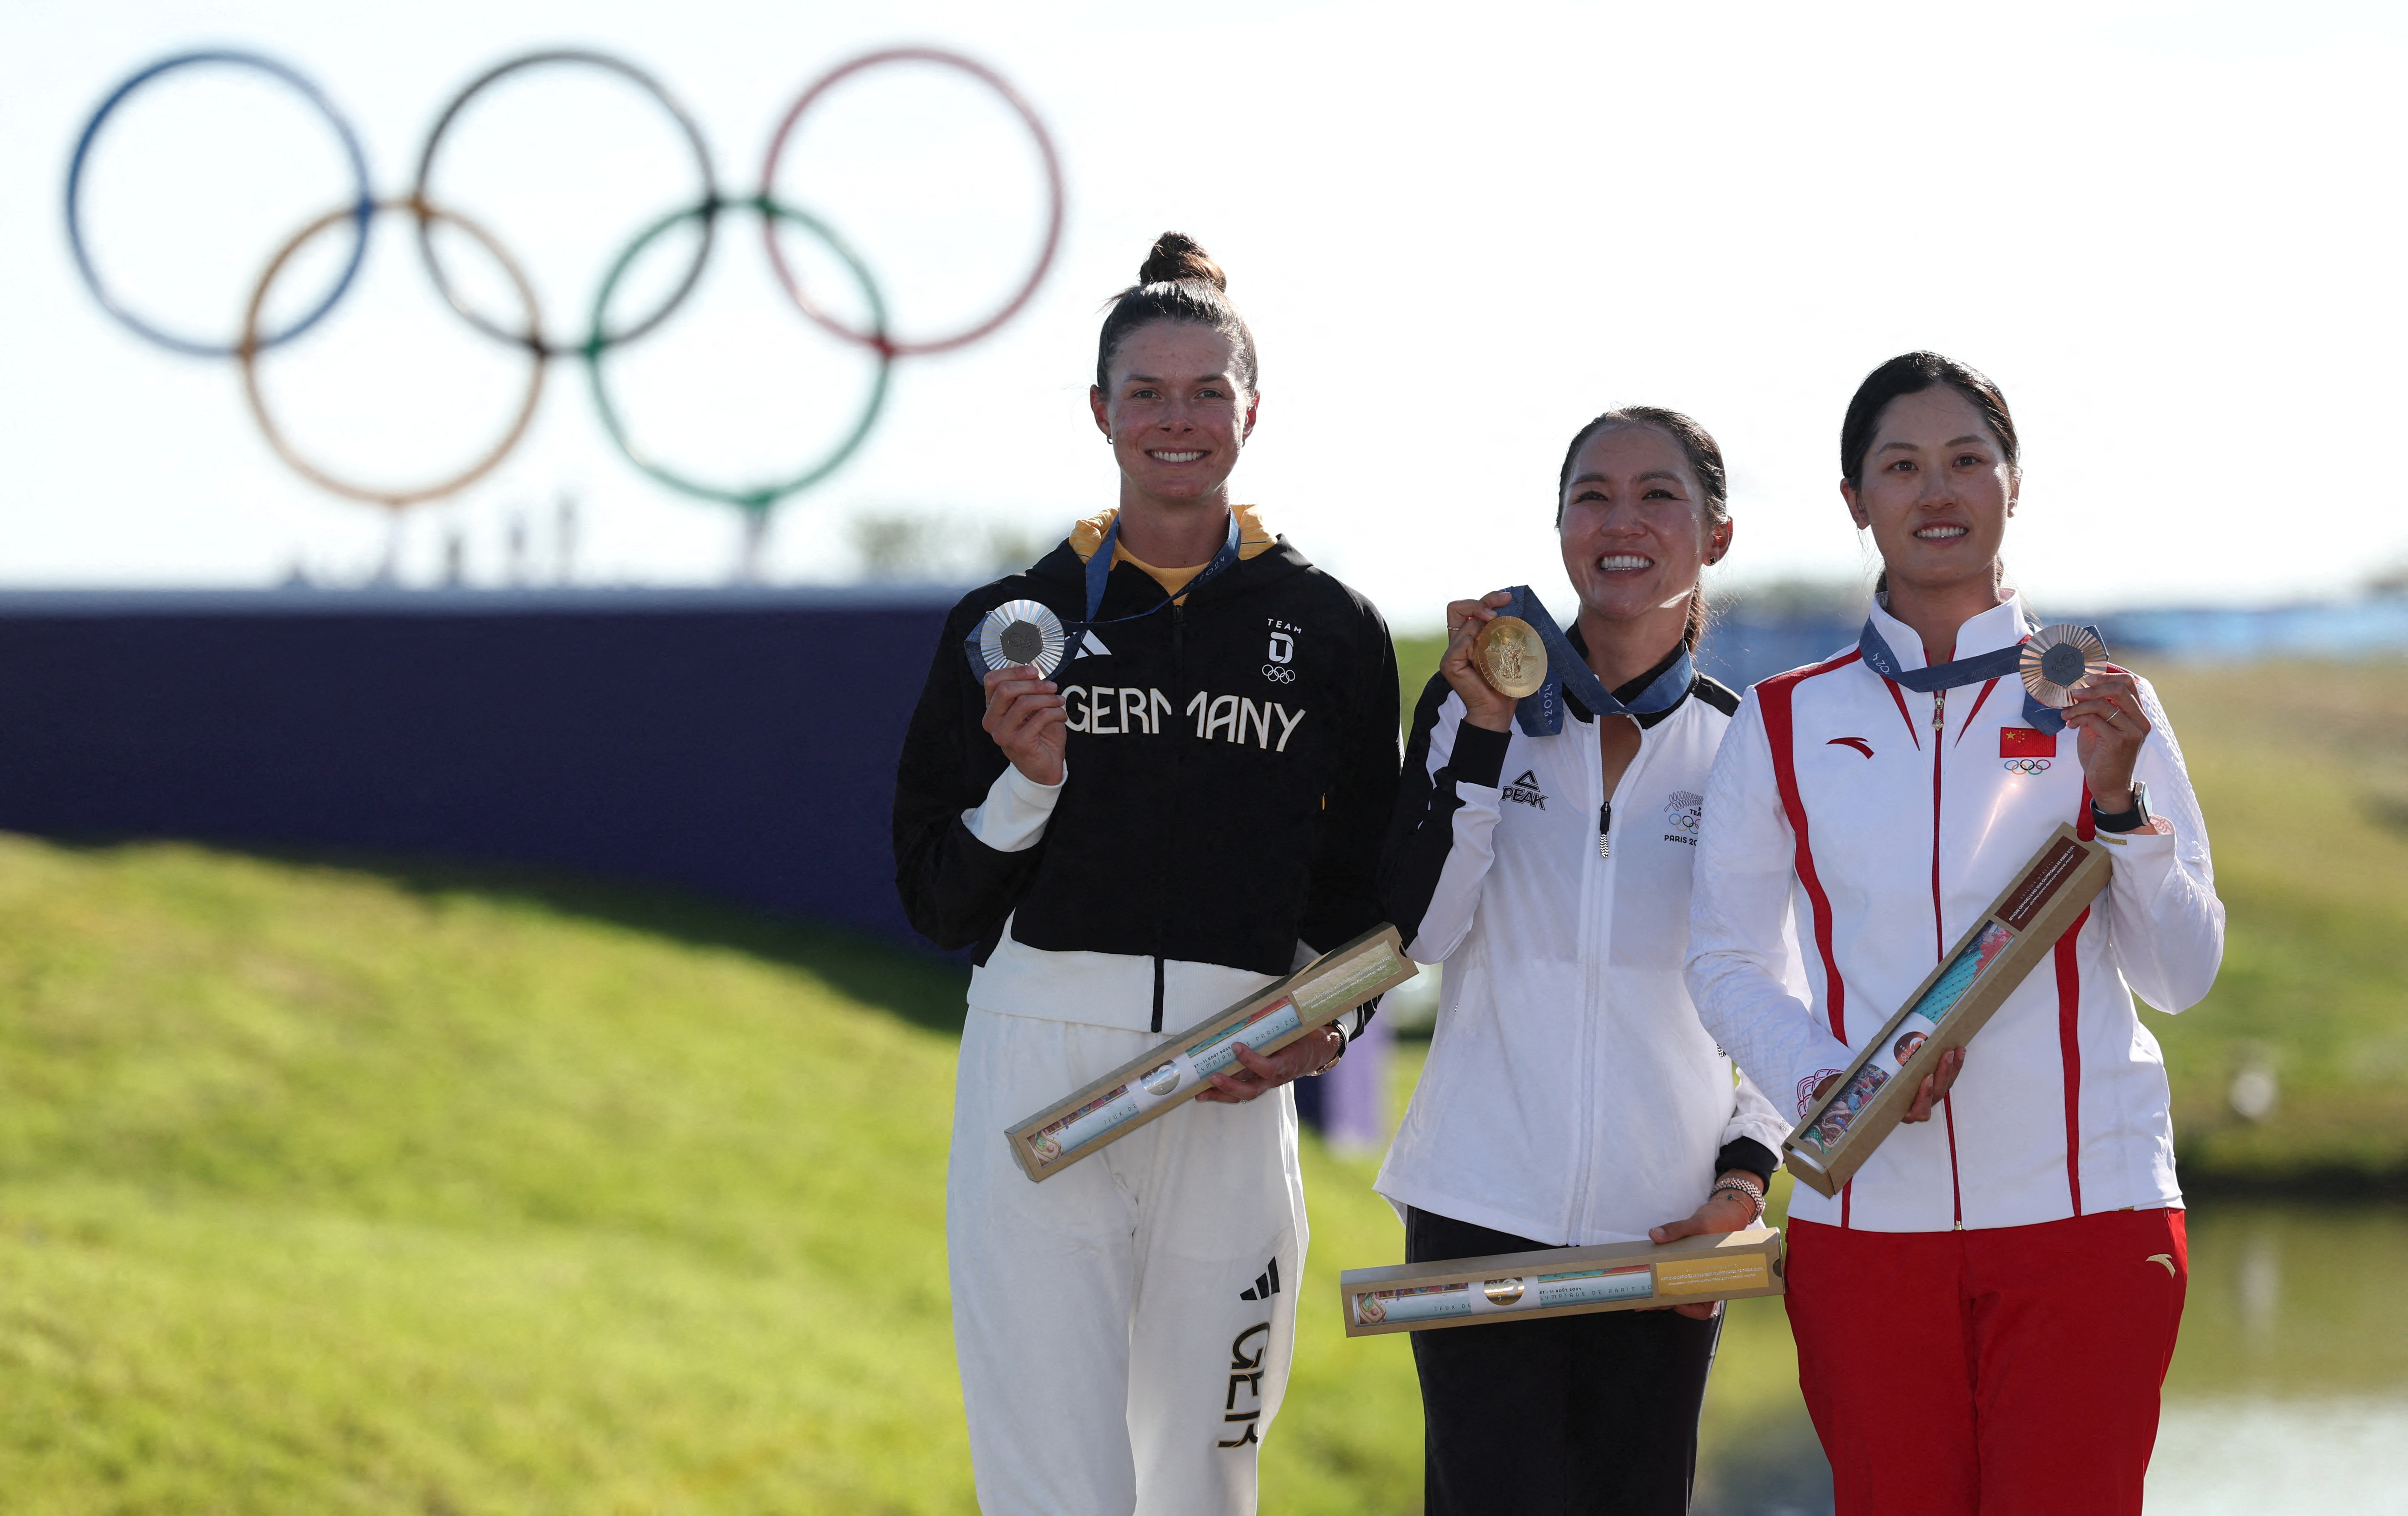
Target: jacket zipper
<point>1593,998</point>
<point>1179,672</point>
<point>1939,930</point>
<point>1939,745</point>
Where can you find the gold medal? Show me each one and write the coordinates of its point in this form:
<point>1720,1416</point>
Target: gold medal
<point>2057,658</point>
<point>1502,1291</point>
<point>1511,657</point>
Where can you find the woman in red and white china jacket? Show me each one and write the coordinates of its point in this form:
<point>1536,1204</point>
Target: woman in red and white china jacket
<point>1984,1315</point>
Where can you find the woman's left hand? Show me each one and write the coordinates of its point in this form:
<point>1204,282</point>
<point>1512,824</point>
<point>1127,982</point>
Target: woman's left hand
<point>1720,1213</point>
<point>1268,1071</point>
<point>2107,713</point>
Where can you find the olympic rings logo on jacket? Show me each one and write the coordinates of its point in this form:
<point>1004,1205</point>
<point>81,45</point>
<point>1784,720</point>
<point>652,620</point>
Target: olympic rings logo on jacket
<point>529,334</point>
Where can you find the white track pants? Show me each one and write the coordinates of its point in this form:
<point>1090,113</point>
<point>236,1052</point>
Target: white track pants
<point>1124,1328</point>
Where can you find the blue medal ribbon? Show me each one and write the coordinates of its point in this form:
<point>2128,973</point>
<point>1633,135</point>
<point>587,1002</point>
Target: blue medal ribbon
<point>1541,714</point>
<point>1099,573</point>
<point>1875,650</point>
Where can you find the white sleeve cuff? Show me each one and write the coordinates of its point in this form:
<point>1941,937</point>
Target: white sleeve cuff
<point>1013,817</point>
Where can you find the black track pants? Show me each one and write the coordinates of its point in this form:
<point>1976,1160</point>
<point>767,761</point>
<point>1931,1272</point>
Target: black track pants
<point>1595,1415</point>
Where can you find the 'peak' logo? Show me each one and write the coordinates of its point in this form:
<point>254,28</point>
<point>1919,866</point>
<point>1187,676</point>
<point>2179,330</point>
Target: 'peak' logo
<point>1527,791</point>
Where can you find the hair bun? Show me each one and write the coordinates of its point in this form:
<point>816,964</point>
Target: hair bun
<point>1176,258</point>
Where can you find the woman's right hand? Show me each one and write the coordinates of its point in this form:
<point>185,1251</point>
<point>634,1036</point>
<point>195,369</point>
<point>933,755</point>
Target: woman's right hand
<point>1029,720</point>
<point>1482,705</point>
<point>1935,1086</point>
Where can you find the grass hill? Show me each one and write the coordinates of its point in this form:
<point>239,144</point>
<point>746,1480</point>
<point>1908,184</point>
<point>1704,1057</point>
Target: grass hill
<point>326,1191</point>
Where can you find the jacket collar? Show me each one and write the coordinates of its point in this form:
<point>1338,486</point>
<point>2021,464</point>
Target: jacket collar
<point>2001,626</point>
<point>1065,568</point>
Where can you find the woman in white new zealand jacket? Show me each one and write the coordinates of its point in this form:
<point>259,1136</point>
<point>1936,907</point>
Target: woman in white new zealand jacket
<point>1571,1097</point>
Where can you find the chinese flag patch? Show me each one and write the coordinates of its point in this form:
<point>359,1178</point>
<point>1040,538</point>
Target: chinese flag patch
<point>2026,742</point>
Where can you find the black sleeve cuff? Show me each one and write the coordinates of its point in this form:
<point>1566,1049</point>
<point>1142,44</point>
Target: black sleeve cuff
<point>1479,755</point>
<point>1748,1153</point>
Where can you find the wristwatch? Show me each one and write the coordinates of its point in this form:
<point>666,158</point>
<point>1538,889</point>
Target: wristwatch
<point>2126,821</point>
<point>1343,1040</point>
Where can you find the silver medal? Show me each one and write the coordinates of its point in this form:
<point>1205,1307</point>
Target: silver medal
<point>1021,631</point>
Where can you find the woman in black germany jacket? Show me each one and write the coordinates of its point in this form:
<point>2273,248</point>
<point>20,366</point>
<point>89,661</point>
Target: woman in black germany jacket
<point>1190,806</point>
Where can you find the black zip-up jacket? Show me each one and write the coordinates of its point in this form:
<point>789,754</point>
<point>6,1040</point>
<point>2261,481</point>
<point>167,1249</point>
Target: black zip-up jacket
<point>1232,763</point>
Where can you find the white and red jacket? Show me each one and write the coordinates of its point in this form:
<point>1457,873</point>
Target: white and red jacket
<point>1882,823</point>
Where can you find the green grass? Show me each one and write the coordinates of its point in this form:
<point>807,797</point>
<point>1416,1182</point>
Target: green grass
<point>2299,771</point>
<point>331,1191</point>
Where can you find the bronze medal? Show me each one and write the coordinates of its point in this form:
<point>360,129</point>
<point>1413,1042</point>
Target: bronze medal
<point>1509,657</point>
<point>2057,658</point>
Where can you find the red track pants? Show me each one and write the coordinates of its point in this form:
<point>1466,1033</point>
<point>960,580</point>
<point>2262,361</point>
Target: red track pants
<point>2012,1371</point>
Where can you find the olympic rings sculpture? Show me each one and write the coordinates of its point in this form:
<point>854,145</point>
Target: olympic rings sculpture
<point>422,203</point>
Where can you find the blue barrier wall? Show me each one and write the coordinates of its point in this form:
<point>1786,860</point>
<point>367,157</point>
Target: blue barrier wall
<point>738,743</point>
<point>742,743</point>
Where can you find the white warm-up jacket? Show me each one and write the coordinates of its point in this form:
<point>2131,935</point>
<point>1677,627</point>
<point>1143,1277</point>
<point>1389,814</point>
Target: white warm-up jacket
<point>1878,824</point>
<point>1570,1095</point>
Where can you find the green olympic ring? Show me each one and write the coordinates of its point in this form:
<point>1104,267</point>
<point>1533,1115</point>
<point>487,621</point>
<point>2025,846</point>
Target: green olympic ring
<point>757,498</point>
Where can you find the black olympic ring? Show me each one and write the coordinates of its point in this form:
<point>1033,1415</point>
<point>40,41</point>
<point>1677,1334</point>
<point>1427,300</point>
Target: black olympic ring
<point>2027,766</point>
<point>424,195</point>
<point>600,339</point>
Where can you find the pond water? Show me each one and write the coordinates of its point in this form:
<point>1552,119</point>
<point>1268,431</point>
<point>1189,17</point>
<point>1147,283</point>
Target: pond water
<point>2288,1392</point>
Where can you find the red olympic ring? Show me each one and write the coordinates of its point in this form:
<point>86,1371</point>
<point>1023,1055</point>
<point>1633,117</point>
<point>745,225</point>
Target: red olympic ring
<point>879,341</point>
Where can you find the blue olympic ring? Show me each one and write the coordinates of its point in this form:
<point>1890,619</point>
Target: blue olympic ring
<point>2027,766</point>
<point>363,201</point>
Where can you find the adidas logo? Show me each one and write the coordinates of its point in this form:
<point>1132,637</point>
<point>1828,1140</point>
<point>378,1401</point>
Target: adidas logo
<point>1526,790</point>
<point>1266,1284</point>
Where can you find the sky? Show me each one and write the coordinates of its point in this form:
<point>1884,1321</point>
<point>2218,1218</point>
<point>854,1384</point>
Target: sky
<point>2169,231</point>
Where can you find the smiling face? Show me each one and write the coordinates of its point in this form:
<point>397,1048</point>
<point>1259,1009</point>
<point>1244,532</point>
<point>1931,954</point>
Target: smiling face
<point>1936,494</point>
<point>1634,529</point>
<point>1176,414</point>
